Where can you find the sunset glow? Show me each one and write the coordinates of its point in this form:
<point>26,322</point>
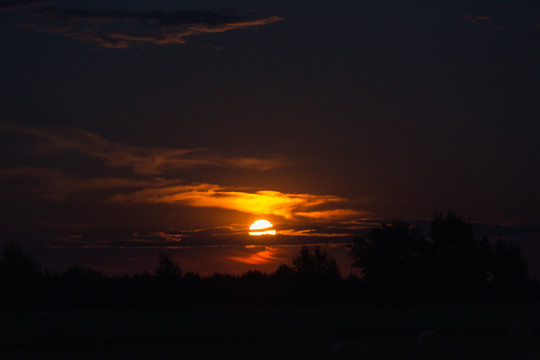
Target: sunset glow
<point>264,256</point>
<point>271,202</point>
<point>262,227</point>
<point>195,126</point>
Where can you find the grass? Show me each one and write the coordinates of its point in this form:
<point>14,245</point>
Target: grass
<point>467,331</point>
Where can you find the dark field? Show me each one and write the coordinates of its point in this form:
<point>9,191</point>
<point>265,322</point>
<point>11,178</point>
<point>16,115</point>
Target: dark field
<point>468,331</point>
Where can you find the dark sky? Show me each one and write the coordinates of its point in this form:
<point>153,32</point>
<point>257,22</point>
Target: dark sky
<point>151,123</point>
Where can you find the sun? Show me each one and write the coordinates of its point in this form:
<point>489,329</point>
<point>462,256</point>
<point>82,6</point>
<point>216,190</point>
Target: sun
<point>262,227</point>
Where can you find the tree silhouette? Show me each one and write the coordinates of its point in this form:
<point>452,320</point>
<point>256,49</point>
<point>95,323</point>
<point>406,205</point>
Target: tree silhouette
<point>510,273</point>
<point>315,262</point>
<point>463,260</point>
<point>168,268</point>
<point>20,276</point>
<point>169,281</point>
<point>509,265</point>
<point>15,262</point>
<point>396,262</point>
<point>316,276</point>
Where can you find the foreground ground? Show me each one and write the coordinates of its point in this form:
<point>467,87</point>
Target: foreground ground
<point>466,331</point>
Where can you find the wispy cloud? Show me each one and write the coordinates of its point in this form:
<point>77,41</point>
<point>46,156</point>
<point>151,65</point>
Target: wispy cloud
<point>332,214</point>
<point>313,233</point>
<point>89,242</point>
<point>263,202</point>
<point>287,232</point>
<point>143,160</point>
<point>125,29</point>
<point>498,28</point>
<point>153,182</point>
<point>54,184</point>
<point>258,257</point>
<point>19,5</point>
<point>475,19</point>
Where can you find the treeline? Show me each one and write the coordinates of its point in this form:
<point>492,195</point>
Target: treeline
<point>399,262</point>
<point>312,279</point>
<point>399,265</point>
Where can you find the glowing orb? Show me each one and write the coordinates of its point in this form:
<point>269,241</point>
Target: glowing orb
<point>262,227</point>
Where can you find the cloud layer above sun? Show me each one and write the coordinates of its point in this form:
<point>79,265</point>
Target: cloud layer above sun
<point>142,160</point>
<point>260,202</point>
<point>151,179</point>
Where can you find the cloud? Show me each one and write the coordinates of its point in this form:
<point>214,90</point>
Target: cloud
<point>287,232</point>
<point>313,233</point>
<point>331,228</point>
<point>332,214</point>
<point>264,202</point>
<point>91,242</point>
<point>171,236</point>
<point>54,184</point>
<point>15,5</point>
<point>152,181</point>
<point>124,29</point>
<point>498,28</point>
<point>475,19</point>
<point>269,254</point>
<point>143,160</point>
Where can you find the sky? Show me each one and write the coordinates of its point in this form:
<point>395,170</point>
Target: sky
<point>131,127</point>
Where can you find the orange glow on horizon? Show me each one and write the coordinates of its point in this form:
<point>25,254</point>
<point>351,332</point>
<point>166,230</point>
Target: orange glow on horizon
<point>259,258</point>
<point>263,227</point>
<point>266,232</point>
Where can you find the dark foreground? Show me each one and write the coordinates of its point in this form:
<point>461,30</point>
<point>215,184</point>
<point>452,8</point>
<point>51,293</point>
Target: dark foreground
<point>469,331</point>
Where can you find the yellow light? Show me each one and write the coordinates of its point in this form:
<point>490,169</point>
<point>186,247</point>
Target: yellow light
<point>263,227</point>
<point>260,224</point>
<point>266,232</point>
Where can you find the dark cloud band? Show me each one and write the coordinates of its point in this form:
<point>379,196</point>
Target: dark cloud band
<point>125,29</point>
<point>15,5</point>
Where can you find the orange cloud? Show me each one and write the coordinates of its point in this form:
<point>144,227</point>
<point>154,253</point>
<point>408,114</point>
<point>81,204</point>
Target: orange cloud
<point>259,202</point>
<point>260,257</point>
<point>55,185</point>
<point>147,187</point>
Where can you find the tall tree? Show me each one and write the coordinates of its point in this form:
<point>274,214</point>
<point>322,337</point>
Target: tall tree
<point>316,275</point>
<point>315,261</point>
<point>395,260</point>
<point>167,268</point>
<point>463,260</point>
<point>20,276</point>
